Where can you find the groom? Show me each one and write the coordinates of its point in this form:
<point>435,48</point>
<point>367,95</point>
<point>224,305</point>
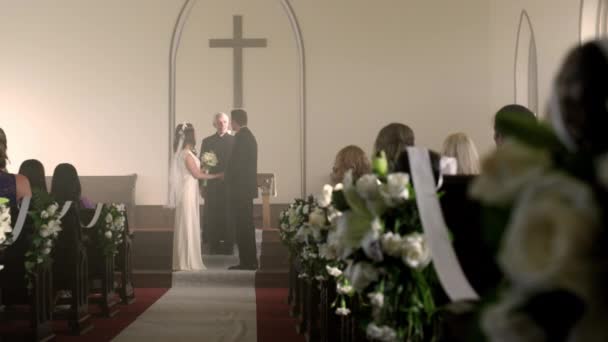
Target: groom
<point>241,179</point>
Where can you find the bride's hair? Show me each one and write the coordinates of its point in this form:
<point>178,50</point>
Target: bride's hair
<point>185,130</point>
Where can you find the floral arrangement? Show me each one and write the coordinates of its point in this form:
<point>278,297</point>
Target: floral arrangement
<point>379,237</point>
<point>112,228</point>
<point>5,220</point>
<point>208,160</point>
<point>47,225</point>
<point>547,206</point>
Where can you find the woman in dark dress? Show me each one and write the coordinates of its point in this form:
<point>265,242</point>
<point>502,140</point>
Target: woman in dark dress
<point>13,187</point>
<point>34,171</point>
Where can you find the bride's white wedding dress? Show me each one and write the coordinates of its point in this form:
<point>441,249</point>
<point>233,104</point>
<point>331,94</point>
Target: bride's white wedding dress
<point>187,231</point>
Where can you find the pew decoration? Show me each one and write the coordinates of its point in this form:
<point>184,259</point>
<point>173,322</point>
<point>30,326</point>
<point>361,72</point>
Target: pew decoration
<point>547,207</point>
<point>5,220</point>
<point>46,217</point>
<point>112,228</point>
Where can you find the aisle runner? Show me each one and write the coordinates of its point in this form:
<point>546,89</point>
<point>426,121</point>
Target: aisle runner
<point>213,305</point>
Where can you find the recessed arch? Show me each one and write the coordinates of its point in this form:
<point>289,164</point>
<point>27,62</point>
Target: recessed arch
<point>593,20</point>
<point>526,64</point>
<point>181,22</point>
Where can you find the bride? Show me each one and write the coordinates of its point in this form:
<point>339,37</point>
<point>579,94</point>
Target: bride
<point>184,197</point>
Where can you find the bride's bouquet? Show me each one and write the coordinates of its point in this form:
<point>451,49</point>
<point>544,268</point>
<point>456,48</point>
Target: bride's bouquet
<point>208,160</point>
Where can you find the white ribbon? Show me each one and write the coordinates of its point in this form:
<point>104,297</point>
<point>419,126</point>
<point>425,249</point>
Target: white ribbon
<point>449,271</point>
<point>96,216</point>
<point>25,206</point>
<point>64,210</point>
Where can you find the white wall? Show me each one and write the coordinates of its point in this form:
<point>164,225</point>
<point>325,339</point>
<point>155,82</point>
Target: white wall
<point>87,81</point>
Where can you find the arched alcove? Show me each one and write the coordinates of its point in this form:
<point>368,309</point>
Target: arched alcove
<point>184,88</point>
<point>526,64</point>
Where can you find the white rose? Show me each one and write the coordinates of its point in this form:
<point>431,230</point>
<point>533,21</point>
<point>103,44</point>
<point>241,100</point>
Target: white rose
<point>368,187</point>
<point>361,275</point>
<point>342,311</point>
<point>324,199</point>
<point>552,230</point>
<point>396,190</point>
<point>344,289</point>
<point>382,333</point>
<point>509,170</point>
<point>415,253</point>
<point>44,214</point>
<point>376,299</point>
<point>502,323</point>
<point>109,218</point>
<point>46,251</point>
<point>108,234</point>
<point>317,218</point>
<point>52,209</point>
<point>392,244</point>
<point>339,187</point>
<point>45,231</point>
<point>333,271</point>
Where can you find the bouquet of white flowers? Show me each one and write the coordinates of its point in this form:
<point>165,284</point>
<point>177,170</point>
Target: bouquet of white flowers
<point>208,160</point>
<point>113,227</point>
<point>5,220</point>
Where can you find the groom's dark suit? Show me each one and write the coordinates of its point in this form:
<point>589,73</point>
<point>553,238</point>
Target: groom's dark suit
<point>241,179</point>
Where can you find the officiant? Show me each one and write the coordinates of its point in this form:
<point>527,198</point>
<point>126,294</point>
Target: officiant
<point>218,228</point>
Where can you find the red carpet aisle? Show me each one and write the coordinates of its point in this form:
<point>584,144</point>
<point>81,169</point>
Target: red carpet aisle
<point>107,328</point>
<point>274,323</point>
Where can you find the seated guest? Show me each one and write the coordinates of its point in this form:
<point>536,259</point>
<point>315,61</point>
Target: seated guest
<point>12,187</point>
<point>34,171</point>
<point>393,139</point>
<point>66,186</point>
<point>350,158</point>
<point>507,111</point>
<point>462,148</point>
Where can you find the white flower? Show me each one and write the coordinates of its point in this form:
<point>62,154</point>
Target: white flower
<point>284,226</point>
<point>382,333</point>
<point>368,187</point>
<point>45,231</point>
<point>333,271</point>
<point>552,232</point>
<point>44,214</point>
<point>344,289</point>
<point>305,209</point>
<point>396,190</point>
<point>109,218</point>
<point>319,278</point>
<point>339,187</point>
<point>328,251</point>
<point>52,209</point>
<point>376,299</point>
<point>46,251</point>
<point>302,276</point>
<point>108,234</point>
<point>415,253</point>
<point>509,170</point>
<point>121,207</point>
<point>342,311</point>
<point>501,323</point>
<point>324,199</point>
<point>392,244</point>
<point>361,275</point>
<point>317,217</point>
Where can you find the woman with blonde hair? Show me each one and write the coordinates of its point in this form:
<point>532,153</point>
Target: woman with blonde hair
<point>462,148</point>
<point>352,158</point>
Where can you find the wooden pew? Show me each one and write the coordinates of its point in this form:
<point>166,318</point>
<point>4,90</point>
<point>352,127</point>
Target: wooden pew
<point>70,273</point>
<point>124,267</point>
<point>33,305</point>
<point>101,266</point>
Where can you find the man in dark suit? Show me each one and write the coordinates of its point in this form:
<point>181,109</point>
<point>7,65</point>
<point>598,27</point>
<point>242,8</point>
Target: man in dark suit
<point>241,179</point>
<point>217,228</point>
